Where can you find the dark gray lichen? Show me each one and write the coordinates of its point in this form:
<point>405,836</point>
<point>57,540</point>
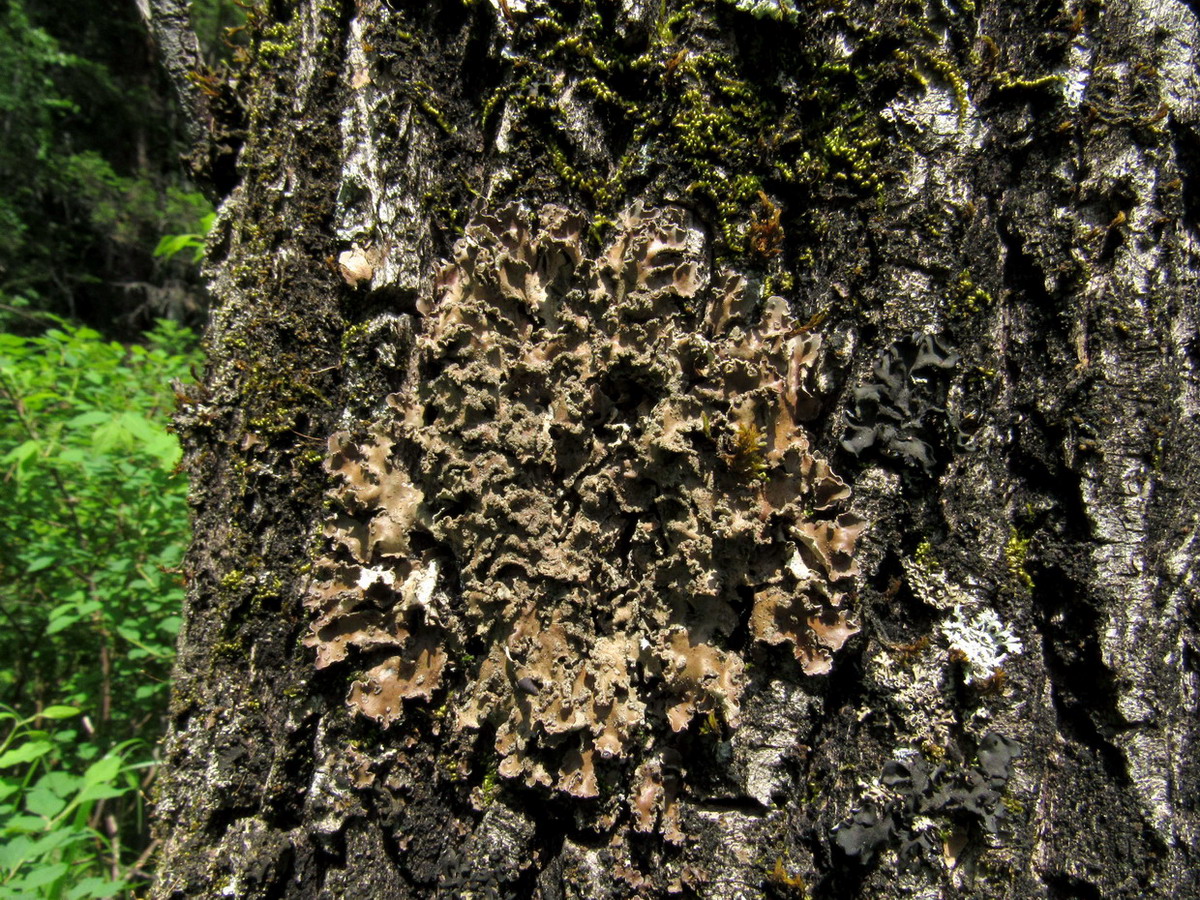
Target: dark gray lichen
<point>914,795</point>
<point>902,413</point>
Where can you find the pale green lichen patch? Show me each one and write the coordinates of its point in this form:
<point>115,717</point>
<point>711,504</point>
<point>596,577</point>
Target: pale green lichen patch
<point>598,477</point>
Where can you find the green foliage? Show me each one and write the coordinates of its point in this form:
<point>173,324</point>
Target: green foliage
<point>93,524</point>
<point>172,244</point>
<point>89,161</point>
<point>93,516</point>
<point>53,843</point>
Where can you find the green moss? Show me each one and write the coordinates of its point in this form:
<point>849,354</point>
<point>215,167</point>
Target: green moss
<point>446,213</point>
<point>966,298</point>
<point>1013,805</point>
<point>278,393</point>
<point>745,454</point>
<point>716,124</point>
<point>1007,81</point>
<point>947,70</point>
<point>924,556</point>
<point>778,283</point>
<point>266,597</point>
<point>233,581</point>
<point>1016,552</point>
<point>276,41</point>
<point>420,92</point>
<point>489,789</point>
<point>779,10</point>
<point>231,649</point>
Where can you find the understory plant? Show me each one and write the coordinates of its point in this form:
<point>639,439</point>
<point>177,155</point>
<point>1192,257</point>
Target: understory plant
<point>93,526</point>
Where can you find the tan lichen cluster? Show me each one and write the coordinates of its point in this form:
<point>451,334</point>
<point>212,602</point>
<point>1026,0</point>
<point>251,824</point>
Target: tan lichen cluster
<point>597,475</point>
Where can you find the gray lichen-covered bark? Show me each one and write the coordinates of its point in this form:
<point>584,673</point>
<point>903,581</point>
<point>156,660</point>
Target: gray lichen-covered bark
<point>699,448</point>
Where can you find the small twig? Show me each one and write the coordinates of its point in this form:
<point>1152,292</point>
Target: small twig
<point>114,837</point>
<point>136,867</point>
<point>26,314</point>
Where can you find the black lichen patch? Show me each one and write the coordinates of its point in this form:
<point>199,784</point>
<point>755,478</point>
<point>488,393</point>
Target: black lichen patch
<point>902,414</point>
<point>916,802</point>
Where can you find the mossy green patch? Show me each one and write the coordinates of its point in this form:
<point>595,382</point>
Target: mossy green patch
<point>966,298</point>
<point>1016,552</point>
<point>712,107</point>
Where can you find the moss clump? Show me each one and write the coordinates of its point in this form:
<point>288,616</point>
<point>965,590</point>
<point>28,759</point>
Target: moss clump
<point>275,42</point>
<point>966,298</point>
<point>1016,552</point>
<point>279,395</point>
<point>745,453</point>
<point>705,110</point>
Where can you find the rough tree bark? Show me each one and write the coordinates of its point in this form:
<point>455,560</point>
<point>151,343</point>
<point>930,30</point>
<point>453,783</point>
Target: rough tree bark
<point>521,567</point>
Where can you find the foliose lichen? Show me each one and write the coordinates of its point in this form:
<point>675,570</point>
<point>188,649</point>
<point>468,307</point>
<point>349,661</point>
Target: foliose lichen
<point>901,412</point>
<point>980,641</point>
<point>563,521</point>
<point>915,804</point>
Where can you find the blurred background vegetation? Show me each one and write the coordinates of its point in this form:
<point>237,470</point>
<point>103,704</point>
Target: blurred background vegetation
<point>101,298</point>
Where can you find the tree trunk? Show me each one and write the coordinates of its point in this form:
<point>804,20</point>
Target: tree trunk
<point>701,448</point>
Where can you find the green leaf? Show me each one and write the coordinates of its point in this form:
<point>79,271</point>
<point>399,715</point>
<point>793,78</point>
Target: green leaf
<point>93,887</point>
<point>103,770</point>
<point>21,452</point>
<point>89,419</point>
<point>112,435</point>
<point>59,712</point>
<point>13,850</point>
<point>24,825</point>
<point>53,840</point>
<point>171,244</point>
<point>146,691</point>
<point>41,562</point>
<point>44,875</point>
<point>75,456</point>
<point>58,623</point>
<point>42,802</point>
<point>101,792</point>
<point>26,752</point>
<point>135,432</point>
<point>60,782</point>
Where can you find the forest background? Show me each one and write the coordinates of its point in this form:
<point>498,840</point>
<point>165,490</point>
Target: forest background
<point>101,237</point>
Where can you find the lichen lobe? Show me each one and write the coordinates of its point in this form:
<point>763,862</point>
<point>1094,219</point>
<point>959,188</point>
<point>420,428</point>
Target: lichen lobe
<point>598,475</point>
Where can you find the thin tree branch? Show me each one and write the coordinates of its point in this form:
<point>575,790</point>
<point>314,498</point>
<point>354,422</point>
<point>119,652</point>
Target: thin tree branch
<point>171,30</point>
